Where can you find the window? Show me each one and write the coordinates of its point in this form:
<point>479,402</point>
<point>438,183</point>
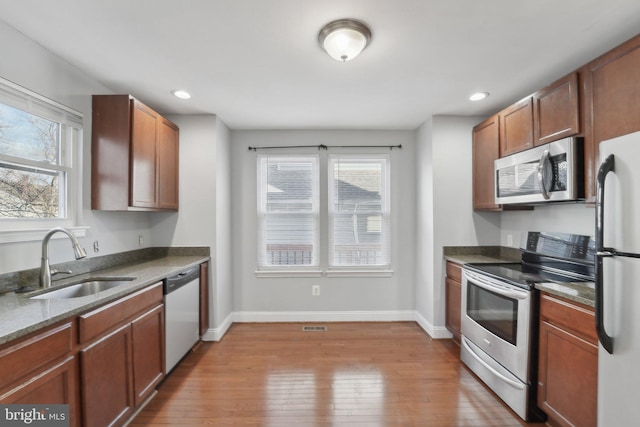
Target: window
<point>288,211</point>
<point>354,215</point>
<point>39,160</point>
<point>358,211</point>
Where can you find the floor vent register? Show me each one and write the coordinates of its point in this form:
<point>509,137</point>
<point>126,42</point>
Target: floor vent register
<point>314,328</point>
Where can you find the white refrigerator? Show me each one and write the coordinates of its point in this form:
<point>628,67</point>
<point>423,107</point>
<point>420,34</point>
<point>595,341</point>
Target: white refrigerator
<point>618,281</point>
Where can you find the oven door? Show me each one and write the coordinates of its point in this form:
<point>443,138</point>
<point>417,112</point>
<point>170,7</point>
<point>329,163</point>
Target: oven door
<point>496,317</point>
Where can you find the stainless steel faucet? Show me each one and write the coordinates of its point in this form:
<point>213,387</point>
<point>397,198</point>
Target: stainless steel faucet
<point>45,271</point>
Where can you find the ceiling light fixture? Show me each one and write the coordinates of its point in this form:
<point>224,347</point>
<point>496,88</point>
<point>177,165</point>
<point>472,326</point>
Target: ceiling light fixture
<point>478,96</point>
<point>344,39</point>
<point>182,94</point>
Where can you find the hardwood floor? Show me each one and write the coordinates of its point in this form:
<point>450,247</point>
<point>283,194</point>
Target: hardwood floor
<point>354,374</point>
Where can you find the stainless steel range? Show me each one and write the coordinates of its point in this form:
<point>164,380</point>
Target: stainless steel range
<point>500,313</point>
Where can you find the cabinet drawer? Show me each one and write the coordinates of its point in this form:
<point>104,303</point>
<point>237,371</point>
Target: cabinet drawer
<point>454,271</point>
<point>97,322</point>
<point>35,352</point>
<point>571,316</point>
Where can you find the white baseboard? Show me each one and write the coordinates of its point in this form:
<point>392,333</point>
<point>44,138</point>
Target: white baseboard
<point>322,316</point>
<point>435,332</point>
<point>216,334</point>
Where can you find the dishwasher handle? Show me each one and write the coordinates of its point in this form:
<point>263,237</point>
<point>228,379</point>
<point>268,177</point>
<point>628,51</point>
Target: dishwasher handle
<point>177,281</point>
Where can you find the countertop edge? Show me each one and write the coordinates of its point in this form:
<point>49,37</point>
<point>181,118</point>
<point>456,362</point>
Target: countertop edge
<point>576,292</point>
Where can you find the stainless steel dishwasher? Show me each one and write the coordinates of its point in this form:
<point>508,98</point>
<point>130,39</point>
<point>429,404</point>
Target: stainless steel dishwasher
<point>182,303</point>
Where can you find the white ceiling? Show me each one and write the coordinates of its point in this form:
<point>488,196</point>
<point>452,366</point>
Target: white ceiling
<point>257,63</point>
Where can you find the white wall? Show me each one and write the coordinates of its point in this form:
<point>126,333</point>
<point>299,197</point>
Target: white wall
<point>569,218</point>
<point>223,292</point>
<point>290,298</point>
<point>204,215</point>
<point>28,64</point>
<point>445,215</point>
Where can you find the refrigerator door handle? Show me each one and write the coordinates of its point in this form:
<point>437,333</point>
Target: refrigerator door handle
<point>601,252</point>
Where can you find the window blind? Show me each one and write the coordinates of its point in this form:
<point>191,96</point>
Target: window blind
<point>359,211</point>
<point>288,208</point>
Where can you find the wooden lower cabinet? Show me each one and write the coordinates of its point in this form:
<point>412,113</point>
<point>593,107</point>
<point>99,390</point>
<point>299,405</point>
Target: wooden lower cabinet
<point>204,298</point>
<point>56,385</point>
<point>121,367</point>
<point>107,379</point>
<point>148,353</point>
<point>453,296</point>
<point>104,363</point>
<point>42,369</point>
<point>568,363</point>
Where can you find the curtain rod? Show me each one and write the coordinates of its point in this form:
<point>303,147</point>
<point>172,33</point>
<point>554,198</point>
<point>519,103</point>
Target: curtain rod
<point>325,147</point>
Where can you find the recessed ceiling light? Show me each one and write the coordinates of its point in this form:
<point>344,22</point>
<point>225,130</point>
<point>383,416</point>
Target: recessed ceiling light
<point>182,94</point>
<point>478,96</point>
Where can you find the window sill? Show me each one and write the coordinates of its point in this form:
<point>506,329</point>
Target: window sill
<point>289,273</point>
<point>33,235</point>
<point>329,273</point>
<point>360,273</point>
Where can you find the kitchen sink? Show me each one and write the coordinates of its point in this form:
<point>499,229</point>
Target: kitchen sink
<point>86,288</point>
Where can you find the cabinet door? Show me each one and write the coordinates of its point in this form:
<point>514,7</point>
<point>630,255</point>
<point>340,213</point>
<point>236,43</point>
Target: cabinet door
<point>556,112</point>
<point>168,150</point>
<point>453,293</point>
<point>453,297</point>
<point>148,353</point>
<point>110,152</point>
<point>56,385</point>
<point>107,392</point>
<point>568,363</point>
<point>516,127</point>
<point>486,149</point>
<point>612,91</point>
<point>204,298</point>
<point>567,381</point>
<point>143,156</point>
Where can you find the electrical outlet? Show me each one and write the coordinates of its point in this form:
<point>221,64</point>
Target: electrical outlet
<point>509,240</point>
<point>96,246</point>
<point>315,290</point>
<point>141,240</point>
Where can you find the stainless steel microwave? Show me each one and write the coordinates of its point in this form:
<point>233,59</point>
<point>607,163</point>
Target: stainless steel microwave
<point>552,172</point>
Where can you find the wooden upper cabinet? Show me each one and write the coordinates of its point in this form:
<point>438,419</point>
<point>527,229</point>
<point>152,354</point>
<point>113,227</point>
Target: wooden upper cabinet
<point>516,127</point>
<point>556,110</point>
<point>612,102</point>
<point>486,149</point>
<point>134,156</point>
<point>144,158</point>
<point>168,151</point>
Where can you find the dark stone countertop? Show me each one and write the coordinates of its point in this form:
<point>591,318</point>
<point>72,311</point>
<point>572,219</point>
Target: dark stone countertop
<point>583,293</point>
<point>481,254</point>
<point>20,315</point>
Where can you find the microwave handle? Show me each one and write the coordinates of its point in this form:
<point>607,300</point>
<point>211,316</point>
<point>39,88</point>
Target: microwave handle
<point>541,172</point>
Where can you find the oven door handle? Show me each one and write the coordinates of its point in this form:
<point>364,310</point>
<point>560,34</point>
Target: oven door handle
<point>509,381</point>
<point>485,284</point>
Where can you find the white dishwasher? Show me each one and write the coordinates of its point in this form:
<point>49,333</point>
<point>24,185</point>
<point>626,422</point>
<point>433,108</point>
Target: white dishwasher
<point>182,305</point>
